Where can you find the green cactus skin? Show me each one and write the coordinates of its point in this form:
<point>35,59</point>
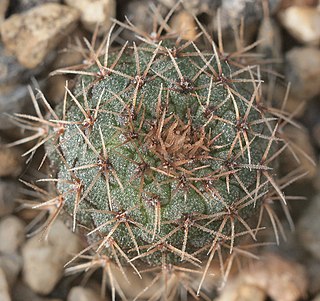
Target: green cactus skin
<point>163,153</point>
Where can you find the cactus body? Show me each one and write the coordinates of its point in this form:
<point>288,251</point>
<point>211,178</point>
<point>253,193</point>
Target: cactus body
<point>162,152</point>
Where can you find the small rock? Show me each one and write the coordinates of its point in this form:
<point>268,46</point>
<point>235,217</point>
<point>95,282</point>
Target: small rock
<point>8,195</point>
<point>4,288</point>
<point>308,228</point>
<point>4,4</point>
<point>11,264</point>
<point>280,279</point>
<point>79,293</point>
<point>302,70</point>
<point>31,35</point>
<point>244,292</point>
<point>10,162</point>
<point>44,260</point>
<point>184,25</point>
<point>12,233</point>
<point>95,12</point>
<point>303,23</point>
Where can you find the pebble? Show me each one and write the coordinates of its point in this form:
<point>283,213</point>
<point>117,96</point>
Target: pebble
<point>278,278</point>
<point>43,261</point>
<point>11,265</point>
<point>12,233</point>
<point>244,292</point>
<point>303,23</point>
<point>8,195</point>
<point>302,70</point>
<point>4,287</point>
<point>10,162</point>
<point>308,228</point>
<point>95,12</point>
<point>184,25</point>
<point>31,35</point>
<point>79,293</point>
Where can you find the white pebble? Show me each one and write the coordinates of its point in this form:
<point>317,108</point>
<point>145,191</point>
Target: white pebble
<point>303,23</point>
<point>79,293</point>
<point>95,12</point>
<point>31,35</point>
<point>11,234</point>
<point>43,261</point>
<point>4,288</point>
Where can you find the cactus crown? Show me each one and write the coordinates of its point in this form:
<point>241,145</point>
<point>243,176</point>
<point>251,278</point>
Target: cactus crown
<point>162,153</point>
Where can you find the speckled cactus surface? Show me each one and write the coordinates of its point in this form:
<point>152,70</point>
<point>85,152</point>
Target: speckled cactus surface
<point>161,150</point>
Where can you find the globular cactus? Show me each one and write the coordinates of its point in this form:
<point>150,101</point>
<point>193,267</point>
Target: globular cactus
<point>162,154</point>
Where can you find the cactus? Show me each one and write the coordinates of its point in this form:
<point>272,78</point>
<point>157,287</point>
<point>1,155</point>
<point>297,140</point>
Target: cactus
<point>162,155</point>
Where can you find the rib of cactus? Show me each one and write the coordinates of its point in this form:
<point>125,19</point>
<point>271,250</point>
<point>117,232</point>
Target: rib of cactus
<point>163,152</point>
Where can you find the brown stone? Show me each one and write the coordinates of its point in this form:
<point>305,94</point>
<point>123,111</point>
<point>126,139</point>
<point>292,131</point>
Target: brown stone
<point>272,276</point>
<point>79,293</point>
<point>95,12</point>
<point>303,23</point>
<point>184,25</point>
<point>30,36</point>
